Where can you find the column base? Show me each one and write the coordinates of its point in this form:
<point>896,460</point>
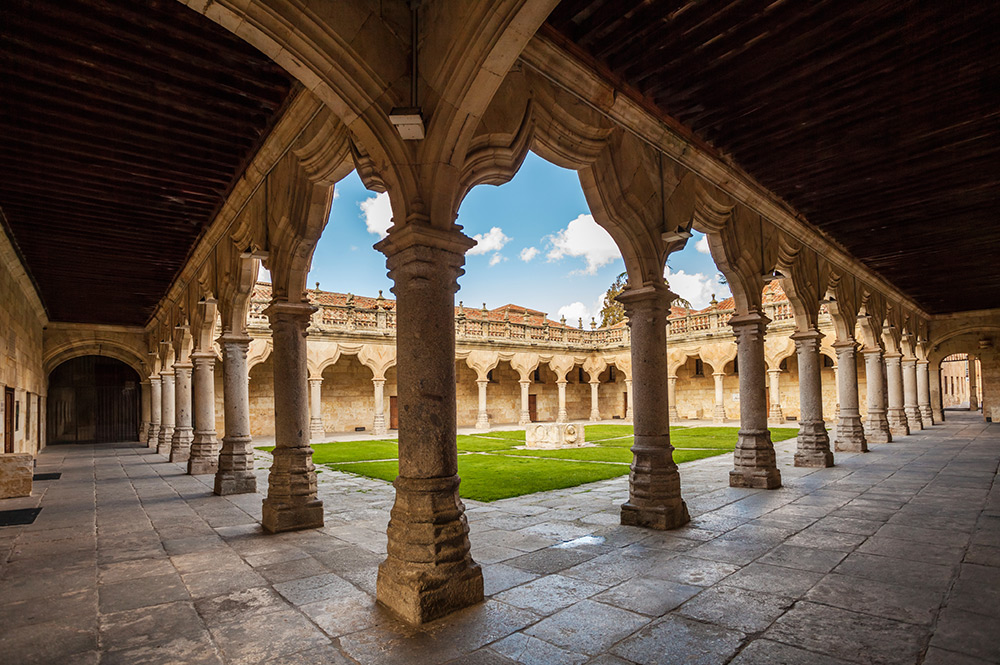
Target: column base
<point>756,466</point>
<point>897,422</point>
<point>525,419</point>
<point>153,436</point>
<point>654,486</point>
<point>662,518</point>
<point>378,425</point>
<point>316,431</point>
<point>850,436</point>
<point>204,454</point>
<point>232,483</point>
<point>595,417</point>
<point>672,414</point>
<point>926,416</point>
<point>913,418</point>
<point>775,415</point>
<point>813,446</point>
<point>180,444</point>
<point>483,423</point>
<point>279,517</point>
<point>877,428</point>
<point>163,440</point>
<point>719,414</point>
<point>429,571</point>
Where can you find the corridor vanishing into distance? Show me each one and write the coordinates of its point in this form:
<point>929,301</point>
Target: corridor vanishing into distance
<point>889,557</point>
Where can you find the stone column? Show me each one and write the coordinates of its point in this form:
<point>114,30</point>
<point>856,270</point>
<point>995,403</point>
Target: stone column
<point>628,399</point>
<point>813,449</point>
<point>850,433</point>
<point>924,392</point>
<point>525,410</point>
<point>719,413</point>
<point>562,416</point>
<point>894,381</point>
<point>180,443</point>
<point>910,394</point>
<point>316,430</point>
<point>429,571</point>
<point>937,402</point>
<point>654,483</point>
<point>774,413</point>
<point>379,425</point>
<point>146,420</point>
<point>482,416</point>
<point>973,387</point>
<point>235,474</point>
<point>876,424</point>
<point>754,461</point>
<point>291,501</point>
<point>155,411</point>
<point>167,412</point>
<point>204,446</point>
<point>672,398</point>
<point>595,408</point>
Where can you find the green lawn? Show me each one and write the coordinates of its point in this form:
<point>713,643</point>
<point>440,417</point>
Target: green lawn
<point>492,467</point>
<point>492,477</point>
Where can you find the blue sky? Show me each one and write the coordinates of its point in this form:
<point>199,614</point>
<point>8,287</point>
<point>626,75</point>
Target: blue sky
<point>538,247</point>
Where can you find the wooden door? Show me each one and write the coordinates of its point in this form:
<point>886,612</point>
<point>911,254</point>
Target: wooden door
<point>393,413</point>
<point>533,408</point>
<point>8,420</point>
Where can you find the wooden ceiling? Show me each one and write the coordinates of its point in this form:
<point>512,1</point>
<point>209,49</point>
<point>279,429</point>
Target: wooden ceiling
<point>123,126</point>
<point>877,120</point>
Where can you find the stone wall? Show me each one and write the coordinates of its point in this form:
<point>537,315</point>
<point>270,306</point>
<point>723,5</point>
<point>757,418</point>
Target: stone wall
<point>21,364</point>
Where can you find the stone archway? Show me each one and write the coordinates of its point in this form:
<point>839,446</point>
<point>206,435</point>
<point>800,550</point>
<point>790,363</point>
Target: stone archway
<point>92,399</point>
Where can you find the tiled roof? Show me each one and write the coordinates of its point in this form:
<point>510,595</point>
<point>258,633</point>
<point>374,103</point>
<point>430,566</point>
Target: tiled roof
<point>773,293</point>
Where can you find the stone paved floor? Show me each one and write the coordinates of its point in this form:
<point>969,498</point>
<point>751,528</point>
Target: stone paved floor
<point>891,557</point>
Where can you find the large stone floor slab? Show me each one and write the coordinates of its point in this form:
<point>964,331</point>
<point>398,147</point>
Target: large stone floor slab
<point>889,557</point>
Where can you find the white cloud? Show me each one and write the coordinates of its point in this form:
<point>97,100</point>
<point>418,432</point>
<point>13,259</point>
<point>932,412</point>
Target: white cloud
<point>497,258</point>
<point>263,275</point>
<point>577,310</point>
<point>583,237</point>
<point>697,287</point>
<point>702,245</point>
<point>378,214</point>
<point>489,242</point>
<point>528,253</point>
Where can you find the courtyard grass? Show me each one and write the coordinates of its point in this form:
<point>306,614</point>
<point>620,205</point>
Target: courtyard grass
<point>492,477</point>
<point>495,465</point>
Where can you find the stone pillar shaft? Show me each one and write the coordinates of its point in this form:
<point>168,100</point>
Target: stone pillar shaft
<point>654,482</point>
<point>204,446</point>
<point>167,412</point>
<point>180,443</point>
<point>429,571</point>
<point>910,405</point>
<point>562,416</point>
<point>235,474</point>
<point>850,433</point>
<point>378,385</point>
<point>672,398</point>
<point>813,449</point>
<point>719,413</point>
<point>525,403</point>
<point>146,419</point>
<point>628,400</point>
<point>316,430</point>
<point>894,382</point>
<point>973,385</point>
<point>924,392</point>
<point>774,413</point>
<point>482,416</point>
<point>754,460</point>
<point>595,407</point>
<point>876,424</point>
<point>291,502</point>
<point>155,410</point>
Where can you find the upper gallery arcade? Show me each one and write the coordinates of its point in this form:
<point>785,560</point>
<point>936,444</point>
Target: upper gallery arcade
<point>155,155</point>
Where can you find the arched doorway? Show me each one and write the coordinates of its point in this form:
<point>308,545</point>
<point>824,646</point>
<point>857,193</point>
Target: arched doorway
<point>93,399</point>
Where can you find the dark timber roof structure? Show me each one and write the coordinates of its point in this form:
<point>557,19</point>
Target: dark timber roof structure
<point>879,122</point>
<point>123,126</point>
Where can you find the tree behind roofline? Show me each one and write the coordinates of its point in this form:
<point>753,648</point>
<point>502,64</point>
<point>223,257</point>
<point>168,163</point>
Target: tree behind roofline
<point>613,312</point>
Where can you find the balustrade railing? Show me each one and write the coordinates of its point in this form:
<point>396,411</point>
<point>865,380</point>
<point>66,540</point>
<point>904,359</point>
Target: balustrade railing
<point>353,318</point>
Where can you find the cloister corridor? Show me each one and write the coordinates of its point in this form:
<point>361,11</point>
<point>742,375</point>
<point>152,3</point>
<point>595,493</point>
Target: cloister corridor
<point>889,557</point>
